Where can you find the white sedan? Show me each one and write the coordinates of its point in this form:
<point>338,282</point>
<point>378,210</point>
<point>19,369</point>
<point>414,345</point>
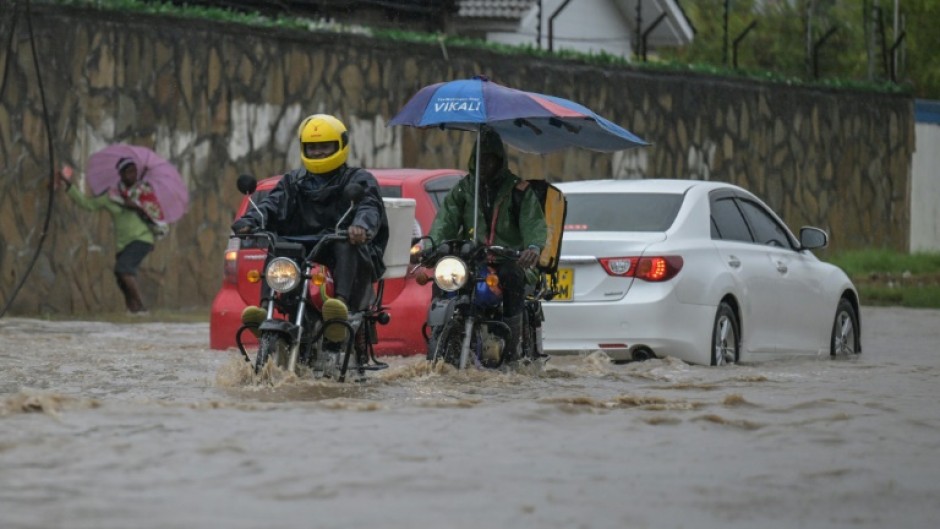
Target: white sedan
<point>701,271</point>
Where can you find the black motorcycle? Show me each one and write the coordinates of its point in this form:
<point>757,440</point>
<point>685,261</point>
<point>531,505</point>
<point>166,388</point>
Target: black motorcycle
<point>297,285</point>
<point>465,324</point>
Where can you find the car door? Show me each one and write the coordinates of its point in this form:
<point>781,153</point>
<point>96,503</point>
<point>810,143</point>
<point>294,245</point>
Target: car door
<point>747,262</point>
<point>801,307</point>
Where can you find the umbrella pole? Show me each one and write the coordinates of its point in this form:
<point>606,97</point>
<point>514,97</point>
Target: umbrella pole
<point>476,184</point>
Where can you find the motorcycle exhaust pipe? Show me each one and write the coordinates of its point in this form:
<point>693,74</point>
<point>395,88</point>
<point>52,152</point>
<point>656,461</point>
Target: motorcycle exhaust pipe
<point>643,353</point>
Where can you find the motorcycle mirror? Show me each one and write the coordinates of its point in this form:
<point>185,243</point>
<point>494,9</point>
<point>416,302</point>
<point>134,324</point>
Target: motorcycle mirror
<point>246,184</point>
<point>353,192</point>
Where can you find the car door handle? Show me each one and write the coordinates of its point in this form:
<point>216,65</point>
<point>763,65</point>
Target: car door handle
<point>734,262</point>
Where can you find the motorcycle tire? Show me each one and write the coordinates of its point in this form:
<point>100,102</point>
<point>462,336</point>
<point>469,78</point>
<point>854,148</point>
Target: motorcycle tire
<point>528,338</point>
<point>308,347</point>
<point>272,346</point>
<point>449,342</point>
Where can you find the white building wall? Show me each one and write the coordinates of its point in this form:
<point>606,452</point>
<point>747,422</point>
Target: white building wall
<point>587,26</point>
<point>925,189</point>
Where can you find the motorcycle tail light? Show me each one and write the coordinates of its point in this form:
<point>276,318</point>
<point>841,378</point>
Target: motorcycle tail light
<point>450,274</point>
<point>653,269</point>
<point>282,274</point>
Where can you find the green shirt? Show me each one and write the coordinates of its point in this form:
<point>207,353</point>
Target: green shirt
<point>128,226</point>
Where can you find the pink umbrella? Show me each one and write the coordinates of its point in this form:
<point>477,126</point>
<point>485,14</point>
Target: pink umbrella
<point>168,186</point>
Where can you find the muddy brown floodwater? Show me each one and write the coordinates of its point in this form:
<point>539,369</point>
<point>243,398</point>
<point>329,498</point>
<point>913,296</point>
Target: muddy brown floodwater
<point>142,426</point>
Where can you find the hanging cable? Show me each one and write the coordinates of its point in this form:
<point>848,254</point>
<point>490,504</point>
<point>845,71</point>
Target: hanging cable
<point>6,65</point>
<point>51,200</point>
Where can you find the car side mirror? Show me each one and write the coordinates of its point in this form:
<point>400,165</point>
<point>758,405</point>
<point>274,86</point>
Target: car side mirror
<point>246,184</point>
<point>812,238</point>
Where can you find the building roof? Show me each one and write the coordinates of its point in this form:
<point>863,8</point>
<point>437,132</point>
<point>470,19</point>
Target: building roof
<point>508,9</point>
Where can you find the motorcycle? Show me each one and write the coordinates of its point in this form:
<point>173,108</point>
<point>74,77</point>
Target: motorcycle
<point>465,321</point>
<point>297,286</point>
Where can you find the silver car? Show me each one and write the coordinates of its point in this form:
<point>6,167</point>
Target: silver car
<point>701,271</point>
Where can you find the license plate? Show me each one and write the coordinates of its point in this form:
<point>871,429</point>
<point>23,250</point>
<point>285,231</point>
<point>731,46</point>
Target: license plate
<point>564,287</point>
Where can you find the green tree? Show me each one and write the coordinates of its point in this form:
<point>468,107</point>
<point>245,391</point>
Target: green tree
<point>921,48</point>
<point>839,39</point>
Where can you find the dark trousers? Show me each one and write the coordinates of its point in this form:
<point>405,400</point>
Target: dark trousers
<point>512,282</point>
<point>352,274</point>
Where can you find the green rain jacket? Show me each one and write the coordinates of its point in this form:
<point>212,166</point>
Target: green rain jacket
<point>128,226</point>
<point>455,218</point>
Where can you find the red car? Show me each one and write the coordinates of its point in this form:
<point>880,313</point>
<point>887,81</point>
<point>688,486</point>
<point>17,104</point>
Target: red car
<point>407,301</point>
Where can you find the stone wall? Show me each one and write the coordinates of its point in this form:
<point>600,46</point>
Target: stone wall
<point>219,100</point>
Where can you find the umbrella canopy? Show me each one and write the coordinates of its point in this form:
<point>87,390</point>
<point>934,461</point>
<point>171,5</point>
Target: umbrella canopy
<point>530,122</point>
<point>168,186</point>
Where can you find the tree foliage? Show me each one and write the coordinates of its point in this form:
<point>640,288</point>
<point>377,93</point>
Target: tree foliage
<point>819,39</point>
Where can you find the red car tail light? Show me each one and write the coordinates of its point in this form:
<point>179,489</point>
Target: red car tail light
<point>230,269</point>
<point>657,268</point>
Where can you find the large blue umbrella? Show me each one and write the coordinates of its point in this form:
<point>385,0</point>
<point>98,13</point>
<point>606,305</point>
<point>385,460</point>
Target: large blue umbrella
<point>528,121</point>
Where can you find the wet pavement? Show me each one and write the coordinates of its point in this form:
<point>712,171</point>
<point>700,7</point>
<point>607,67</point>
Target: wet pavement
<point>140,425</point>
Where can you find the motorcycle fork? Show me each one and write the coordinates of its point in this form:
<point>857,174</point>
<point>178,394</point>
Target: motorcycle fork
<point>465,346</point>
<point>299,322</point>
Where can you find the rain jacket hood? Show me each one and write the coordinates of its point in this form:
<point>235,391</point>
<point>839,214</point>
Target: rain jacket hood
<point>490,143</point>
<point>505,227</point>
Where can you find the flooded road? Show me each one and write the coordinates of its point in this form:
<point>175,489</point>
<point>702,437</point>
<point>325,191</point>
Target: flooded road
<point>141,425</point>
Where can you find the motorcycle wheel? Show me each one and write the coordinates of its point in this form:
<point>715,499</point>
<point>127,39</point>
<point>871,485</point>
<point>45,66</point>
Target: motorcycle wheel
<point>272,347</point>
<point>529,348</point>
<point>449,342</point>
<point>308,347</point>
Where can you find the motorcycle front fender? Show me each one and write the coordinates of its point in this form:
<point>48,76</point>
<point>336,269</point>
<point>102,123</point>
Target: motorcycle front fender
<point>281,326</point>
<point>441,310</point>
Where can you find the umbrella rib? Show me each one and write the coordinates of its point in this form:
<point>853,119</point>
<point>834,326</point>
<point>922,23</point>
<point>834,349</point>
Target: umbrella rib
<point>522,122</point>
<point>564,124</point>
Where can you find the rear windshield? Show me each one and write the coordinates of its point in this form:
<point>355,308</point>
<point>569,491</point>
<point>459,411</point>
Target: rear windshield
<point>622,211</point>
<point>390,191</point>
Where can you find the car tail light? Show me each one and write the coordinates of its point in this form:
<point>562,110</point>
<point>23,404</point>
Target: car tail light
<point>658,268</point>
<point>230,269</point>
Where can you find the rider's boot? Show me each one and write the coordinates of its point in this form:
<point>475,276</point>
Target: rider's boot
<point>512,355</point>
<point>335,309</point>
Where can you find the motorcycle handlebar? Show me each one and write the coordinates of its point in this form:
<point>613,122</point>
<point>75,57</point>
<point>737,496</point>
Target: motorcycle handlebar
<point>465,249</point>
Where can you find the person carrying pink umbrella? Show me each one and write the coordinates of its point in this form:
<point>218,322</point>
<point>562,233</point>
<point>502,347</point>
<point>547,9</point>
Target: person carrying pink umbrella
<point>138,222</point>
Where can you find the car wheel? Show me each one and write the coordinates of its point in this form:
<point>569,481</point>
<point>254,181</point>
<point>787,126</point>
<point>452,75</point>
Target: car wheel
<point>844,341</point>
<point>725,336</point>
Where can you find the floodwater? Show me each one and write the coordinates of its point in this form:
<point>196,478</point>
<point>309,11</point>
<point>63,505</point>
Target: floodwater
<point>141,425</point>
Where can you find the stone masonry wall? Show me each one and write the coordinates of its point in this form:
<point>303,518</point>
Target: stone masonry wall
<point>220,100</point>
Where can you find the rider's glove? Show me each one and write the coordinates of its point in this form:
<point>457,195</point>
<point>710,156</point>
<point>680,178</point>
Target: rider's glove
<point>243,225</point>
<point>529,257</point>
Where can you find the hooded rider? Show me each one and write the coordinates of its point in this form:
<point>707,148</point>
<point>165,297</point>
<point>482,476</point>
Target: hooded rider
<point>501,220</point>
<point>309,201</point>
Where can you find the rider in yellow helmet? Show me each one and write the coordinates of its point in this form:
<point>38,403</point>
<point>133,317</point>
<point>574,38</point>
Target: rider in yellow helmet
<point>309,201</point>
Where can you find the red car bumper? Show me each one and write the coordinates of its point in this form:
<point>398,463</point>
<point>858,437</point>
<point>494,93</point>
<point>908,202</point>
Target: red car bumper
<point>402,336</point>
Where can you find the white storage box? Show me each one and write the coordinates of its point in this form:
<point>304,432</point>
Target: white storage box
<point>401,229</point>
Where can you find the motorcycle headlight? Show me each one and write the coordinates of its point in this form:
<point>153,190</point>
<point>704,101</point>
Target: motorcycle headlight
<point>282,274</point>
<point>450,274</point>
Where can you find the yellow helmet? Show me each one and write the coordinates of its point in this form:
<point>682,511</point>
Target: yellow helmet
<point>324,143</point>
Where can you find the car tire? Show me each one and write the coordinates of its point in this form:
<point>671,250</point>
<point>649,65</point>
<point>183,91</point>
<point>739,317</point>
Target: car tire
<point>845,330</point>
<point>726,336</point>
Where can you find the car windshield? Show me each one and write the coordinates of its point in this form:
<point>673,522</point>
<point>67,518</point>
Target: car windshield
<point>390,191</point>
<point>621,211</point>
